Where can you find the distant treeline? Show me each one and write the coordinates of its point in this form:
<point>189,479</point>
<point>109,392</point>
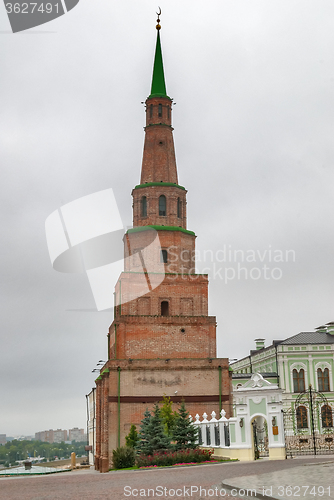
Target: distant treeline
<point>15,450</point>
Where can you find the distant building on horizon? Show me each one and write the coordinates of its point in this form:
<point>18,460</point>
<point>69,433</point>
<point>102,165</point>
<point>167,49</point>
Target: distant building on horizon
<point>76,434</point>
<point>51,436</point>
<point>59,435</point>
<point>3,439</point>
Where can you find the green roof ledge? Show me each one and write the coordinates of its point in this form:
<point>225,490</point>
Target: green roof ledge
<point>148,184</point>
<point>137,229</point>
<point>158,88</point>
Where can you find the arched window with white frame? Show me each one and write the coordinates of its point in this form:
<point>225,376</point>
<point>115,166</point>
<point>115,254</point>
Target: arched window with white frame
<point>301,414</point>
<point>326,416</point>
<point>298,380</point>
<point>323,380</point>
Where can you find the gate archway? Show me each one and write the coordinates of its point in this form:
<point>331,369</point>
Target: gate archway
<point>260,437</point>
<point>308,425</point>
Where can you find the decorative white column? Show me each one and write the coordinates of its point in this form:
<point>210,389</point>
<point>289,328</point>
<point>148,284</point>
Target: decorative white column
<point>222,422</point>
<point>203,429</point>
<point>212,424</point>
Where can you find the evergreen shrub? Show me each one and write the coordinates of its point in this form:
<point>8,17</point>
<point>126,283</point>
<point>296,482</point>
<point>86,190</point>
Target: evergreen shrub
<point>123,457</point>
<point>132,438</point>
<point>164,458</point>
<point>184,433</point>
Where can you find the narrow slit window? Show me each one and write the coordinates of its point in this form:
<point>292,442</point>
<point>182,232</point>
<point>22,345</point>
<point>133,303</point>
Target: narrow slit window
<point>168,111</point>
<point>163,256</point>
<point>179,208</point>
<point>164,308</point>
<point>151,110</point>
<point>160,110</point>
<point>162,205</point>
<point>144,206</point>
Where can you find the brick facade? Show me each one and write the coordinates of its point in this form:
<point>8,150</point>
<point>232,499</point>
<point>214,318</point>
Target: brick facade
<point>143,382</point>
<point>162,341</point>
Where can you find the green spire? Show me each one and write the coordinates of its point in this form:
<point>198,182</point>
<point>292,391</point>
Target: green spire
<point>158,88</point>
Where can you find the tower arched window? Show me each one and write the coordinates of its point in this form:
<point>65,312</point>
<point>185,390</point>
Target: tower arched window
<point>323,380</point>
<point>151,110</point>
<point>179,208</point>
<point>162,205</point>
<point>144,206</point>
<point>326,416</point>
<point>301,414</point>
<point>160,110</point>
<point>298,380</point>
<point>164,308</point>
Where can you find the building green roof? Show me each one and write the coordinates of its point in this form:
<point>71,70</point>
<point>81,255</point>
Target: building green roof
<point>158,88</point>
<point>309,338</point>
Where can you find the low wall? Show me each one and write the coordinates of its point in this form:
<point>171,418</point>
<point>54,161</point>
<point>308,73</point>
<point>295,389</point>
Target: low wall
<point>61,463</point>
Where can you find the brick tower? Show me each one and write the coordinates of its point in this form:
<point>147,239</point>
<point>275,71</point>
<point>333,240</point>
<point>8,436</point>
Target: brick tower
<point>162,341</point>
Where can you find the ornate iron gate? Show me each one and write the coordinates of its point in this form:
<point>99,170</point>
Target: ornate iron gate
<point>308,425</point>
<point>260,437</point>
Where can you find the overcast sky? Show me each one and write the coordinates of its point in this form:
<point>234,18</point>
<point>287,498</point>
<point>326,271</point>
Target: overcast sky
<point>253,82</point>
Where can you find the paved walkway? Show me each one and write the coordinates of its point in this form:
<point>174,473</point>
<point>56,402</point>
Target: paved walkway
<point>196,482</point>
<point>308,481</point>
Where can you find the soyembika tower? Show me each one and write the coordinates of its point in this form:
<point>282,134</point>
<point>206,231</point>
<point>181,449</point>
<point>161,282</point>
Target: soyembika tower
<point>162,341</point>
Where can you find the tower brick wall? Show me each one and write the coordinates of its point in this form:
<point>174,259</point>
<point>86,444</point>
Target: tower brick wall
<point>176,216</point>
<point>135,385</point>
<point>159,163</point>
<point>179,247</point>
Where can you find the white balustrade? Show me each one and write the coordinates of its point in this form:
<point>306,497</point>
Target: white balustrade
<point>206,429</point>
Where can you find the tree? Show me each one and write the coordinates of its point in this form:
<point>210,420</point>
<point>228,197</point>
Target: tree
<point>151,435</point>
<point>168,415</point>
<point>132,438</point>
<point>185,434</point>
<point>158,438</point>
<point>143,445</point>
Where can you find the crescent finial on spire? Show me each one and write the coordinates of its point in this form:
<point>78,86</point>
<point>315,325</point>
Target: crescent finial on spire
<point>158,20</point>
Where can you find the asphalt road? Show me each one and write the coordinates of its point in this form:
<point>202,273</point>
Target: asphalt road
<point>183,482</point>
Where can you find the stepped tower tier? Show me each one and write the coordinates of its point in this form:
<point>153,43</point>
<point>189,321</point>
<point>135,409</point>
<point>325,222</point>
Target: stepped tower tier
<point>171,319</point>
<point>158,199</point>
<point>159,164</point>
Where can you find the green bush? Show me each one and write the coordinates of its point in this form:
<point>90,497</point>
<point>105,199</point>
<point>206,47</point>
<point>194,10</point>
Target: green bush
<point>132,438</point>
<point>177,457</point>
<point>123,457</point>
